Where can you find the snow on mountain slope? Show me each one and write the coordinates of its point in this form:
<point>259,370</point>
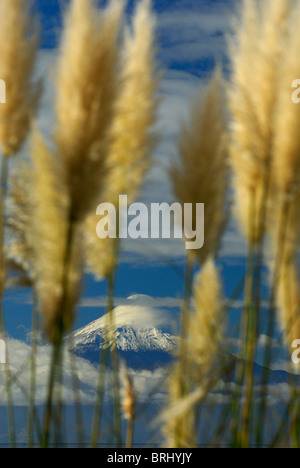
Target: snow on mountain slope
<point>144,334</point>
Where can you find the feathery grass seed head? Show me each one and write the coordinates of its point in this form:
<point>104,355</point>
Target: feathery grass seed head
<point>18,48</point>
<point>130,134</point>
<point>18,250</point>
<point>259,37</point>
<point>86,87</point>
<point>49,239</point>
<point>201,176</point>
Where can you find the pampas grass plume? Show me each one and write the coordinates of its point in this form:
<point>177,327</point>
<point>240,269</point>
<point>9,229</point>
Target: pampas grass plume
<point>86,87</point>
<point>18,251</point>
<point>130,135</point>
<point>99,253</point>
<point>203,343</point>
<point>206,324</point>
<point>49,239</point>
<point>128,394</point>
<point>201,176</point>
<point>131,141</point>
<point>288,302</point>
<point>18,49</point>
<point>259,37</point>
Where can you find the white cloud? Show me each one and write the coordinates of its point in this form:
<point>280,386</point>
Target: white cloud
<point>189,35</point>
<point>168,302</point>
<point>140,312</point>
<point>19,366</point>
<point>146,383</point>
<point>264,341</point>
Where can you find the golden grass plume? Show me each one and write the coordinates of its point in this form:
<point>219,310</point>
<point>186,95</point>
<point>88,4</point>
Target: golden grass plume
<point>207,321</point>
<point>259,37</point>
<point>189,385</point>
<point>50,211</point>
<point>18,250</point>
<point>18,49</point>
<point>130,137</point>
<point>202,174</point>
<point>287,117</point>
<point>100,255</point>
<point>129,397</point>
<point>288,302</point>
<point>85,88</point>
<point>130,134</point>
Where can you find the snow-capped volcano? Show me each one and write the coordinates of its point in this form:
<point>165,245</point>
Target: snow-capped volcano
<point>144,334</point>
